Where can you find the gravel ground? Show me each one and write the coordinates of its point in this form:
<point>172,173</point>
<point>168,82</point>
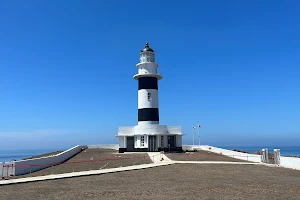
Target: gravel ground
<point>179,181</point>
<point>102,158</point>
<point>201,156</point>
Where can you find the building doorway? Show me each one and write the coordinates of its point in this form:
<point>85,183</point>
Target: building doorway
<point>152,143</point>
<point>130,143</point>
<point>171,141</point>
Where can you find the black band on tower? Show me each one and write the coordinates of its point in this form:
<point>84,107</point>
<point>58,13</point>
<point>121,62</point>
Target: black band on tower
<point>148,114</point>
<point>148,83</point>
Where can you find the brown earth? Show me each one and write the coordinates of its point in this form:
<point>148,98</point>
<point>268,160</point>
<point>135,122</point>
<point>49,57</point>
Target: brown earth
<point>102,159</point>
<point>201,155</point>
<point>179,181</point>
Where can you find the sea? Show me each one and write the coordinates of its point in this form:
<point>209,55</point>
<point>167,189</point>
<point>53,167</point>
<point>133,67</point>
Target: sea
<point>284,150</point>
<point>10,155</point>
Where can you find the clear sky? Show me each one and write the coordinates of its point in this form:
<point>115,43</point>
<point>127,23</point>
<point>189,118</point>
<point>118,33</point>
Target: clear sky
<point>66,70</point>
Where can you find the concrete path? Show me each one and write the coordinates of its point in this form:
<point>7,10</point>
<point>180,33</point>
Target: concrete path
<point>82,173</point>
<point>158,157</point>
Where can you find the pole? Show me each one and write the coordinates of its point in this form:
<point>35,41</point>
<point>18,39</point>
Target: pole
<point>199,135</point>
<point>193,135</point>
<point>3,169</point>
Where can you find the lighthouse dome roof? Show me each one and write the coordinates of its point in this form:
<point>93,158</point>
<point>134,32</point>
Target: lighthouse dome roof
<point>147,48</point>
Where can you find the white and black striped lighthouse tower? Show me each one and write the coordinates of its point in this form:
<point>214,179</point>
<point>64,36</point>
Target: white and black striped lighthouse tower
<point>149,135</point>
<point>147,77</point>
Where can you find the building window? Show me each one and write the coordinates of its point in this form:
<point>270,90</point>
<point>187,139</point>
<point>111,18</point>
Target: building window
<point>149,96</point>
<point>143,58</point>
<point>162,141</point>
<point>142,141</point>
<point>147,57</point>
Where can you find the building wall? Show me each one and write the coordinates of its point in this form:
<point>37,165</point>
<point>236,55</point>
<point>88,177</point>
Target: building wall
<point>178,141</point>
<point>151,129</point>
<point>143,101</point>
<point>137,141</point>
<point>122,142</point>
<point>165,141</point>
<point>6,169</point>
<point>147,68</point>
<point>146,142</point>
<point>233,154</point>
<point>126,130</point>
<point>22,166</point>
<point>290,162</point>
<point>104,146</point>
<point>148,99</point>
<point>174,130</point>
<point>147,123</point>
<point>158,141</point>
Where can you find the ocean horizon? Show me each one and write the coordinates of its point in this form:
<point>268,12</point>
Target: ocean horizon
<point>284,150</point>
<point>18,154</point>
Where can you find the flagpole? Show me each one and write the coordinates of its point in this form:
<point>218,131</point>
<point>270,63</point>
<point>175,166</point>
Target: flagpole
<point>199,134</point>
<point>193,135</point>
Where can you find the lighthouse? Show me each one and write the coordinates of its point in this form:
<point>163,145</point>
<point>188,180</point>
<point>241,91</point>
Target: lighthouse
<point>147,78</point>
<point>148,134</point>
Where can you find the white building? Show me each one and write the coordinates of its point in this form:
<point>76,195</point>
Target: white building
<point>149,135</point>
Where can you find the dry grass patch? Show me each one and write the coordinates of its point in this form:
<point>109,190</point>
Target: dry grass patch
<point>201,156</point>
<point>102,159</point>
<point>179,181</point>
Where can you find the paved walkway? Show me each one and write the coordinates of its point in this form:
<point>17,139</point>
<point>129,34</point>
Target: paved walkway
<point>82,173</point>
<point>158,157</point>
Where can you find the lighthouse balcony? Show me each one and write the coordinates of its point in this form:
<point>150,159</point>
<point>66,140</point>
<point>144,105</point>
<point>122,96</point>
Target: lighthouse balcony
<point>156,75</point>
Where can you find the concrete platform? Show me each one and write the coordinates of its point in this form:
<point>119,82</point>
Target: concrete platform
<point>157,157</point>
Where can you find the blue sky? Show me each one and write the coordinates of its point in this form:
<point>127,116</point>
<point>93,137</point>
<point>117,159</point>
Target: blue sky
<point>66,70</point>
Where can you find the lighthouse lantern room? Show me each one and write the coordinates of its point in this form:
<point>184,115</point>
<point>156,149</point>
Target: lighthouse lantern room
<point>149,135</point>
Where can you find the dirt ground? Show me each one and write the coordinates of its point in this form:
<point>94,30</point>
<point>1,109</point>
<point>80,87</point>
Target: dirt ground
<point>201,156</point>
<point>102,159</point>
<point>179,181</point>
